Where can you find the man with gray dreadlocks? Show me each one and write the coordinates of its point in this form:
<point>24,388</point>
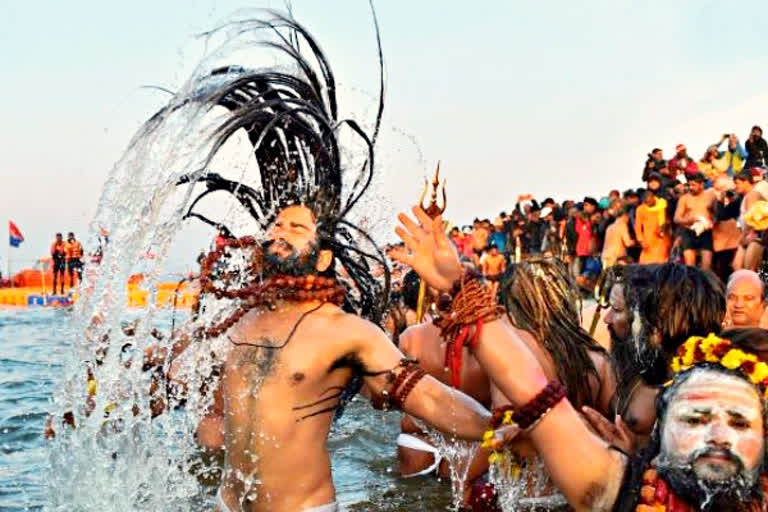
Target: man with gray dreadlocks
<point>301,341</point>
<point>707,450</point>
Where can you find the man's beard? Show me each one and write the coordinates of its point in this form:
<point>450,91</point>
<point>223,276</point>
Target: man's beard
<point>295,264</point>
<point>633,356</point>
<point>731,493</point>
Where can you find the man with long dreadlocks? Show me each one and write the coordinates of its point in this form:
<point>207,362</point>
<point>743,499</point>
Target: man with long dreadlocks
<point>542,305</point>
<point>302,340</point>
<point>653,310</point>
<point>707,450</point>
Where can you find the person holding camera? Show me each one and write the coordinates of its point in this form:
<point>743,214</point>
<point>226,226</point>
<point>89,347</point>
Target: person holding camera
<point>654,164</point>
<point>712,164</point>
<point>734,155</point>
<point>757,149</point>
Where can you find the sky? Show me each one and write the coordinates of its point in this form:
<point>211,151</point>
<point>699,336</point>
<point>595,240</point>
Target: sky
<point>556,98</point>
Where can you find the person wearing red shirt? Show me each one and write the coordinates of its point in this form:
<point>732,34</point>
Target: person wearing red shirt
<point>682,163</point>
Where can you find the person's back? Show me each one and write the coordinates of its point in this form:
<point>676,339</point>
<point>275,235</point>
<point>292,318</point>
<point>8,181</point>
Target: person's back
<point>423,343</point>
<point>617,239</point>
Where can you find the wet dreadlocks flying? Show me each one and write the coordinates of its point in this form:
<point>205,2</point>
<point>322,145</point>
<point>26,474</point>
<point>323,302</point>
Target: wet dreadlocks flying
<point>292,124</point>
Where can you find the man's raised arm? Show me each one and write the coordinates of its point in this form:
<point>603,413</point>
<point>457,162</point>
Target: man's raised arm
<point>581,465</point>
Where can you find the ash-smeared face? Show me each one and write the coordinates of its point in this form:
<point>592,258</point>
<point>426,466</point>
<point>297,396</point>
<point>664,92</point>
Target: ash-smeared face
<point>712,437</point>
<point>292,246</point>
<point>632,346</point>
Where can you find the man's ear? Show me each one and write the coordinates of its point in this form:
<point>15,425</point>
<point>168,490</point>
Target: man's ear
<point>324,260</point>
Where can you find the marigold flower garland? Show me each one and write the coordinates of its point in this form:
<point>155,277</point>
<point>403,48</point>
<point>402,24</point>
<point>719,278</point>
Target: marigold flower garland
<point>713,349</point>
<point>655,494</point>
<point>501,417</point>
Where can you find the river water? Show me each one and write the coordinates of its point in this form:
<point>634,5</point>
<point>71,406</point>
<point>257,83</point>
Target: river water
<point>35,342</point>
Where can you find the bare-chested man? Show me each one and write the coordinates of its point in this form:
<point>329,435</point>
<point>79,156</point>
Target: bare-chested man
<point>749,254</point>
<point>298,343</point>
<point>708,448</point>
<point>617,239</point>
<point>695,213</point>
<point>285,377</point>
<point>416,455</point>
<point>494,264</point>
<point>480,234</point>
<point>650,315</point>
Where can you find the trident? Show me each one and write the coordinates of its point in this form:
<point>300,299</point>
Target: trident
<point>432,210</point>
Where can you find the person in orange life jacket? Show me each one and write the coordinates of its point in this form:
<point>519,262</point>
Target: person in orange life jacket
<point>59,256</point>
<point>74,259</point>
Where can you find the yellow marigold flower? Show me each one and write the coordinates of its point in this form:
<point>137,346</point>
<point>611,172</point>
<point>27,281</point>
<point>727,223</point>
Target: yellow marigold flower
<point>733,359</point>
<point>495,458</point>
<point>688,356</point>
<point>508,417</point>
<point>691,342</point>
<point>515,471</point>
<point>711,357</point>
<point>488,438</point>
<point>676,368</point>
<point>760,373</point>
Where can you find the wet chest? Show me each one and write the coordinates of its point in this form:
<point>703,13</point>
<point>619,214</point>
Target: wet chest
<point>641,412</point>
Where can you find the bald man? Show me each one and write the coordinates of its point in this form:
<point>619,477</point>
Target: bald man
<point>745,302</point>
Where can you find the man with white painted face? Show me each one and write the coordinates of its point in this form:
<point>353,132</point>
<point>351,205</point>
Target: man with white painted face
<point>652,310</point>
<point>706,450</point>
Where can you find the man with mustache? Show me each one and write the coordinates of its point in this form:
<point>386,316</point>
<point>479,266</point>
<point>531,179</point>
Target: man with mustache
<point>707,448</point>
<point>652,310</point>
<point>290,319</point>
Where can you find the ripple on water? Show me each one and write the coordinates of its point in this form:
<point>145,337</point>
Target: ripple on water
<point>33,344</point>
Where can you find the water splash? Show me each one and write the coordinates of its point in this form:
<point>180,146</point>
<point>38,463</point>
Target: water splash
<point>458,453</point>
<point>120,457</point>
<point>530,490</point>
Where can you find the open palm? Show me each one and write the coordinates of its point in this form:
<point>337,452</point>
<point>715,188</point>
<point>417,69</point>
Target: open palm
<point>429,251</point>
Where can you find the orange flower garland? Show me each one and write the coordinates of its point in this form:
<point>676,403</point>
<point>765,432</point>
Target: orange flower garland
<point>712,349</point>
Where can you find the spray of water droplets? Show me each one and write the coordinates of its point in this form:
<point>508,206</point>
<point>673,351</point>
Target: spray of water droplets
<point>121,455</point>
